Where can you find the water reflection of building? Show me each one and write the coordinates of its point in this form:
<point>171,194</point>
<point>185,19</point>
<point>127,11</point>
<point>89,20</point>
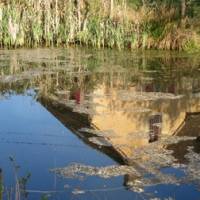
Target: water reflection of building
<point>123,146</point>
<point>131,111</point>
<point>129,118</point>
<point>108,98</point>
<point>134,122</point>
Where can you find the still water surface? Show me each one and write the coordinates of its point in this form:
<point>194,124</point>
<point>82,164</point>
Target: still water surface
<point>86,124</point>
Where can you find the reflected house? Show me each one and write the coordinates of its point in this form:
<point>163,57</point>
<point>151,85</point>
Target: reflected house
<point>127,111</point>
<point>131,119</point>
<point>134,123</point>
<point>120,103</point>
<point>133,115</point>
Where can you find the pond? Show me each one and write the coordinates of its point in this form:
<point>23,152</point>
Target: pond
<point>80,123</point>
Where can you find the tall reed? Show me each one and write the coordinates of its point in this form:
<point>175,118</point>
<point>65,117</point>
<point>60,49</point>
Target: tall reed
<point>98,23</point>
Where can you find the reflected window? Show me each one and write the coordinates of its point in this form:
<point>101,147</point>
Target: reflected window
<point>149,87</point>
<point>171,88</point>
<point>155,127</point>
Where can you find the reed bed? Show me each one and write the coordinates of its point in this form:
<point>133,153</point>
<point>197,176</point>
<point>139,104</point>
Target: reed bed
<point>97,23</point>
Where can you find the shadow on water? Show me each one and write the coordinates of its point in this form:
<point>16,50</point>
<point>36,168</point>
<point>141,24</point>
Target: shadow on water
<point>142,110</point>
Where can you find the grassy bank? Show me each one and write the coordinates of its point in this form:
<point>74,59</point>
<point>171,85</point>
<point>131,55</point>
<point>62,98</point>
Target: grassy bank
<point>99,23</point>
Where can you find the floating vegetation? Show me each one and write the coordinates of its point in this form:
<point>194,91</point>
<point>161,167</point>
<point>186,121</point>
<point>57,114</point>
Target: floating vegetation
<point>137,183</point>
<point>146,96</point>
<point>138,110</point>
<point>24,76</point>
<point>155,154</point>
<point>155,158</point>
<point>84,109</point>
<point>76,170</point>
<point>192,169</point>
<point>166,140</point>
<point>98,95</point>
<point>100,141</point>
<point>77,191</point>
<point>144,169</point>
